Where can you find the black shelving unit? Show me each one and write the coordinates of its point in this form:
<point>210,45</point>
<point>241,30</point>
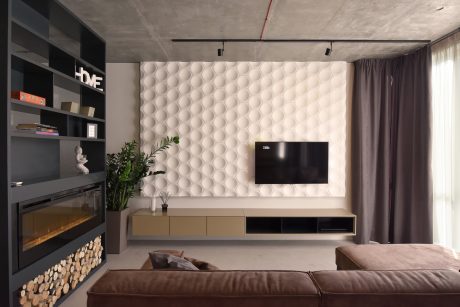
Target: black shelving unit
<point>42,44</point>
<point>300,225</point>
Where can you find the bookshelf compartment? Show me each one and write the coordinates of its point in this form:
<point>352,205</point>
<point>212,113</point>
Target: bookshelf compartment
<point>260,225</point>
<point>78,127</point>
<point>95,152</point>
<point>34,159</point>
<point>299,225</point>
<point>35,49</point>
<point>30,17</point>
<point>335,225</point>
<point>32,79</point>
<point>66,94</point>
<point>92,49</point>
<point>56,120</point>
<point>29,45</point>
<point>43,159</point>
<point>91,98</point>
<point>24,107</point>
<point>43,45</point>
<point>60,27</point>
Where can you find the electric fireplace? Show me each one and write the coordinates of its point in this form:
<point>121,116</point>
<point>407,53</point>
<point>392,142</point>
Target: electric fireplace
<point>47,223</point>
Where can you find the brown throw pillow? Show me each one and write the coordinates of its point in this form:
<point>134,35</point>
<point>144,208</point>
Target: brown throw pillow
<point>202,265</point>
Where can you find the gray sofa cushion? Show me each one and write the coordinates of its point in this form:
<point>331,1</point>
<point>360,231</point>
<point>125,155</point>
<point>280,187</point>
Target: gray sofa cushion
<point>168,261</point>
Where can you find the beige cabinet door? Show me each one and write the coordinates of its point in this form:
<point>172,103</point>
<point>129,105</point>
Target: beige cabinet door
<point>225,226</point>
<point>145,225</point>
<point>187,225</point>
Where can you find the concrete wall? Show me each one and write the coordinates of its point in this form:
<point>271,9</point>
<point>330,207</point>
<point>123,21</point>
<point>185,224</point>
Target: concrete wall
<point>123,125</point>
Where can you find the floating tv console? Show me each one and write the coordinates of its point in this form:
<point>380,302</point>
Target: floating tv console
<point>241,223</point>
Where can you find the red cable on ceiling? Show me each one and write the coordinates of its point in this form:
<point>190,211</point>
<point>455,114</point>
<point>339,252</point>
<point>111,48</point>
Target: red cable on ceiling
<point>266,18</point>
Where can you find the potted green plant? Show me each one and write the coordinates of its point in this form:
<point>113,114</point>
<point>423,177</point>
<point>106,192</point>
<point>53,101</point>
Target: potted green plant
<point>125,170</point>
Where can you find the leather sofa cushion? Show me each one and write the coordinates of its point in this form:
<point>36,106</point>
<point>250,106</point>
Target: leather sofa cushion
<point>396,257</point>
<point>203,288</point>
<point>412,288</point>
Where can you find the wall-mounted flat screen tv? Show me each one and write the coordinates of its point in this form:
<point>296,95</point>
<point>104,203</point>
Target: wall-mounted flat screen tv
<point>291,162</point>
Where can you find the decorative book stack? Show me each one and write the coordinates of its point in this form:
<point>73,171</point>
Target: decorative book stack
<point>26,97</point>
<point>38,129</point>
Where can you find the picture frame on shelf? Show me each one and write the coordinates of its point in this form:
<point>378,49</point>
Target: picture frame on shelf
<point>91,131</point>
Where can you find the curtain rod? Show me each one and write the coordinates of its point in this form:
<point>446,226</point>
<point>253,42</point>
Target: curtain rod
<point>444,37</point>
<point>254,40</point>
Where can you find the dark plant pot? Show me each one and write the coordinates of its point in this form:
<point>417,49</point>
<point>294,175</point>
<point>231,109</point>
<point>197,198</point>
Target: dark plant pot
<point>117,229</point>
<point>164,207</point>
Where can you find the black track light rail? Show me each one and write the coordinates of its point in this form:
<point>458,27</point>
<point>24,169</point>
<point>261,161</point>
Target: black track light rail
<point>254,40</point>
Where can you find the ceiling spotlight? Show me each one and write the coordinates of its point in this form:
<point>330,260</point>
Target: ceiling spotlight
<point>220,51</point>
<point>328,51</point>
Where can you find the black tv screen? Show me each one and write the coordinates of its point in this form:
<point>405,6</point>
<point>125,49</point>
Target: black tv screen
<point>291,162</point>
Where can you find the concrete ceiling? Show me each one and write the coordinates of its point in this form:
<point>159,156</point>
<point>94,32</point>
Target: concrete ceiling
<point>141,30</point>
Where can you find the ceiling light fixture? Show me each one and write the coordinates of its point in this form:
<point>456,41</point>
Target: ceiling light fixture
<point>304,41</point>
<point>220,51</point>
<point>328,51</point>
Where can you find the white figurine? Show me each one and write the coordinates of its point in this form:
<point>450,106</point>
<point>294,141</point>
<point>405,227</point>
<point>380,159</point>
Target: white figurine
<point>80,158</point>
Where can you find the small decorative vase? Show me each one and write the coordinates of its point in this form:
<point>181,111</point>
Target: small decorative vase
<point>117,231</point>
<point>164,207</point>
<point>153,204</point>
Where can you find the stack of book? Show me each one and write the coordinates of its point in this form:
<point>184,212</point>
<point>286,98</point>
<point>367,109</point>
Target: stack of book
<point>29,98</point>
<point>38,129</point>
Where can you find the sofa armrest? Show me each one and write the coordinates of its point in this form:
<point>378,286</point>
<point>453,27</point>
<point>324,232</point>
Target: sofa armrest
<point>411,288</point>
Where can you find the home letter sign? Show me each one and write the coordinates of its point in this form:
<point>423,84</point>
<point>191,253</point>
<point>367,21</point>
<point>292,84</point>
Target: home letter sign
<point>85,77</point>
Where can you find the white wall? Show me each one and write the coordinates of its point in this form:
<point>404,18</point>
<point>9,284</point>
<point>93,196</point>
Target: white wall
<point>123,125</point>
<point>122,104</point>
<point>220,109</point>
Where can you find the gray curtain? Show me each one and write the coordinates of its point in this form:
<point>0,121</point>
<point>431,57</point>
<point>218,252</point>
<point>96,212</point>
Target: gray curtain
<point>391,133</point>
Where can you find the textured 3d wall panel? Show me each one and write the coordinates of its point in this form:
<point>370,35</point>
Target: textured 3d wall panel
<point>219,109</point>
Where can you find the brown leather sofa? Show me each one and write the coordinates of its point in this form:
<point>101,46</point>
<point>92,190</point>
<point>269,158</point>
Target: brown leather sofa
<point>396,257</point>
<point>410,288</point>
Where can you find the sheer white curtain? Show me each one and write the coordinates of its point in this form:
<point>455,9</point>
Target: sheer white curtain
<point>446,141</point>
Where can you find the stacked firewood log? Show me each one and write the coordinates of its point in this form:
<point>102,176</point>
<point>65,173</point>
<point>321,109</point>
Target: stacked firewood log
<point>46,289</point>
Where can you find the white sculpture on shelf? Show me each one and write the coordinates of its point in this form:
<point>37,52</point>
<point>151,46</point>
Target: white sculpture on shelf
<point>153,204</point>
<point>80,158</point>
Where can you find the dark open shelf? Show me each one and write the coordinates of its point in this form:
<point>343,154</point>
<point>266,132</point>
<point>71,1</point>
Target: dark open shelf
<point>42,46</point>
<point>45,47</point>
<point>60,78</point>
<point>21,106</point>
<point>53,137</point>
<point>299,225</point>
<point>334,224</point>
<point>263,225</point>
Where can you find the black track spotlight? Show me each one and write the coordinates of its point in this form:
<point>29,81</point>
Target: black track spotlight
<point>220,51</point>
<point>328,51</point>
